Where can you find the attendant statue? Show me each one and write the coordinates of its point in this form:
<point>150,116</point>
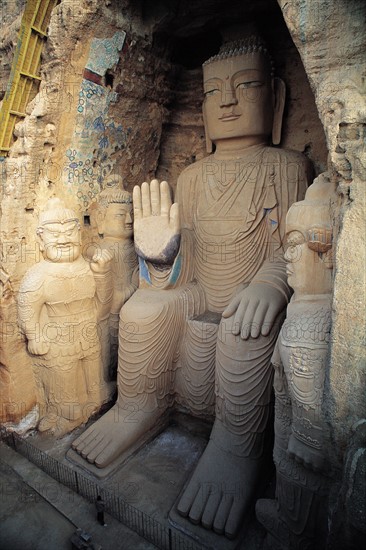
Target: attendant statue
<point>214,257</point>
<point>115,228</point>
<point>298,518</point>
<point>60,299</point>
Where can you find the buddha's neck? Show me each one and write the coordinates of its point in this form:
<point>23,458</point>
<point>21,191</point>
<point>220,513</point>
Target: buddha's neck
<point>237,147</point>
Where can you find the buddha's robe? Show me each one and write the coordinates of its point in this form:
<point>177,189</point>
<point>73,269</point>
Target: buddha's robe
<point>233,225</point>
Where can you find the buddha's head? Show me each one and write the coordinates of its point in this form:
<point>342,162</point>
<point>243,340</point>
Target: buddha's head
<point>309,240</point>
<point>242,99</point>
<point>59,233</point>
<point>114,214</point>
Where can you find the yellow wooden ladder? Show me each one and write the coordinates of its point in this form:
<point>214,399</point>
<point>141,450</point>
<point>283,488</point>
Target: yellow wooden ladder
<point>25,72</point>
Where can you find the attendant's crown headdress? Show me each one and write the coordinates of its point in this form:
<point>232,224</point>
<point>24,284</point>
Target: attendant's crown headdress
<point>56,212</point>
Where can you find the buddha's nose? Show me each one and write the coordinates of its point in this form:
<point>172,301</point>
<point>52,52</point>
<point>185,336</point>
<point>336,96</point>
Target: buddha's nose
<point>128,218</point>
<point>228,97</point>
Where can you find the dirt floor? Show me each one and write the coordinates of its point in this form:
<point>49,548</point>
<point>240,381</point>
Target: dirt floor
<point>28,522</point>
<point>37,513</point>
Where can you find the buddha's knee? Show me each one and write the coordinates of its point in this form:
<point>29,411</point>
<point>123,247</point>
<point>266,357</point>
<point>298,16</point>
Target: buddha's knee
<point>239,355</point>
<point>150,318</point>
<point>142,306</point>
<point>226,337</point>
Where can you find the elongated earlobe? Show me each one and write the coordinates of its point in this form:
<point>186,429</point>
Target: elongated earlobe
<point>100,223</point>
<point>279,90</point>
<point>209,144</point>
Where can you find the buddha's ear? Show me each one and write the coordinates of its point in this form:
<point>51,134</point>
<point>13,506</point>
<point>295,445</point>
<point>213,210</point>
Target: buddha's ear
<point>100,222</point>
<point>279,93</point>
<point>209,144</point>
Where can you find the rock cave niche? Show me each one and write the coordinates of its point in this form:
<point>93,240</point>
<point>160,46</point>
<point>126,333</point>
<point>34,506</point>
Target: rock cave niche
<point>197,34</point>
<point>158,85</point>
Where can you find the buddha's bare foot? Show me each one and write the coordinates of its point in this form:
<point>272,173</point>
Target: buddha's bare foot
<point>304,454</point>
<point>114,433</point>
<point>220,491</point>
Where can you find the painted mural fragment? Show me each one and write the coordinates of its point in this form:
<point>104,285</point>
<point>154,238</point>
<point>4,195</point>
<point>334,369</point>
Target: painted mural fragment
<point>96,134</point>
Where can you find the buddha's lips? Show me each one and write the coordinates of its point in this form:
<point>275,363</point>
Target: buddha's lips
<point>228,117</point>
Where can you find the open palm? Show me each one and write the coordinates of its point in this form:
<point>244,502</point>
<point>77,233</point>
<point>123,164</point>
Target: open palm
<point>156,223</point>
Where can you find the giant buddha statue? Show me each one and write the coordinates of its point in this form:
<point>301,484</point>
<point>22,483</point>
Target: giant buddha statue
<point>213,258</point>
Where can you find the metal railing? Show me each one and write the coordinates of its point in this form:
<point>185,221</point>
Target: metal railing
<point>147,527</point>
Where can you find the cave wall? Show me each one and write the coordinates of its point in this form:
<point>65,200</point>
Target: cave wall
<point>10,18</point>
<point>330,37</point>
<point>121,91</point>
<point>333,56</point>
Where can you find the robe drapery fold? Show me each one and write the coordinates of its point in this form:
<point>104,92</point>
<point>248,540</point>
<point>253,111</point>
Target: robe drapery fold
<point>233,222</point>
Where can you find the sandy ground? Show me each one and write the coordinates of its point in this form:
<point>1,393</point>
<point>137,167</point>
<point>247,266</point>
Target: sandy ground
<point>38,513</point>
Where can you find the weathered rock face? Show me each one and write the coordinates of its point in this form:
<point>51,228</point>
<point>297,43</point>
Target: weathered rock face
<point>121,92</point>
<point>10,17</point>
<point>334,62</point>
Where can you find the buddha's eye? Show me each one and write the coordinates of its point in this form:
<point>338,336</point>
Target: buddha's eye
<point>211,92</point>
<point>249,84</point>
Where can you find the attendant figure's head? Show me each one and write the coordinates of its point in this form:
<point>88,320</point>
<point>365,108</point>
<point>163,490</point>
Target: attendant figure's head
<point>243,102</point>
<point>114,213</point>
<point>59,233</point>
<point>309,240</point>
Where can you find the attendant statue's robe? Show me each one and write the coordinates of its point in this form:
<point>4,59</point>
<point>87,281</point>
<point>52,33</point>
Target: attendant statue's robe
<point>59,304</point>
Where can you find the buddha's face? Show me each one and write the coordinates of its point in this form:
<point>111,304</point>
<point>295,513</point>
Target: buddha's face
<point>238,98</point>
<point>61,241</point>
<point>118,221</point>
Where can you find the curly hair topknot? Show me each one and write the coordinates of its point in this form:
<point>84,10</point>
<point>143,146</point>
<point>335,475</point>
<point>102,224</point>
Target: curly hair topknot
<point>112,195</point>
<point>250,44</point>
<point>114,192</point>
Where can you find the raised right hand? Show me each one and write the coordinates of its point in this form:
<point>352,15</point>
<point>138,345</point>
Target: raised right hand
<point>156,223</point>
